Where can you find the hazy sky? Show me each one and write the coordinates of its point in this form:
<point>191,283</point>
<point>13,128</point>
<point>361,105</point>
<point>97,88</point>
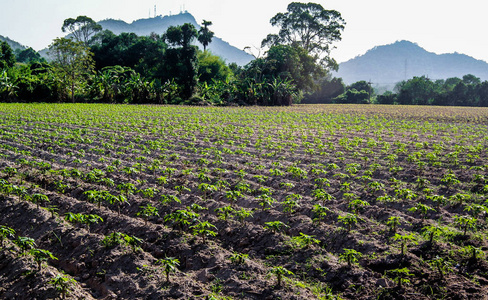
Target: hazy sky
<point>440,26</point>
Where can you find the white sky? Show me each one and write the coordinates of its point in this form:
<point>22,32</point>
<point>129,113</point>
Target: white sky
<point>440,26</point>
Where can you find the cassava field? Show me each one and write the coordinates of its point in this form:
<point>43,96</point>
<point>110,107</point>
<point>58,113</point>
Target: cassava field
<point>303,202</point>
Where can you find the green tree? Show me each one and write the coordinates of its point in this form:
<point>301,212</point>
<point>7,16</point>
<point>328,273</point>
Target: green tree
<point>212,68</point>
<point>308,26</point>
<point>181,62</point>
<point>141,54</point>
<point>361,85</point>
<point>82,28</point>
<point>7,56</point>
<point>353,96</point>
<point>205,35</point>
<point>72,62</point>
<point>8,86</point>
<point>279,75</point>
<point>29,55</point>
<point>327,89</point>
<point>181,35</point>
<point>417,91</point>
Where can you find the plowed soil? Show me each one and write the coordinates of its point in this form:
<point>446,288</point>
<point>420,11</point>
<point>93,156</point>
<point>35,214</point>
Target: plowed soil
<point>348,202</point>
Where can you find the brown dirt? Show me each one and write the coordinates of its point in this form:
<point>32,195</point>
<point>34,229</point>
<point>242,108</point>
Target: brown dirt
<point>214,144</point>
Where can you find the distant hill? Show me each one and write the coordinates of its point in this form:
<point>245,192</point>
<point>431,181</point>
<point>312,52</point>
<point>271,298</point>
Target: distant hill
<point>160,24</point>
<point>13,44</point>
<point>389,64</point>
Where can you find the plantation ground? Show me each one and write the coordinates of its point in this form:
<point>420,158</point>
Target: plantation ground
<point>356,202</point>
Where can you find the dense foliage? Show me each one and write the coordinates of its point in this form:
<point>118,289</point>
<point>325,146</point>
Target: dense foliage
<point>466,91</point>
<point>99,66</point>
<point>92,65</point>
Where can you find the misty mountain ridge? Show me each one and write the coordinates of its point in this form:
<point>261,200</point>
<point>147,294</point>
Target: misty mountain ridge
<point>389,64</point>
<point>13,44</point>
<point>159,25</point>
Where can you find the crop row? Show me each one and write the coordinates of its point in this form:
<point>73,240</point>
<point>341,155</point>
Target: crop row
<point>304,193</point>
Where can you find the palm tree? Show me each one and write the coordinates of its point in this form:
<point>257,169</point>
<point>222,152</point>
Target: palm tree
<point>205,35</point>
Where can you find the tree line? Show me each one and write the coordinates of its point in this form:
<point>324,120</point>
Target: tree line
<point>95,65</point>
<point>466,91</point>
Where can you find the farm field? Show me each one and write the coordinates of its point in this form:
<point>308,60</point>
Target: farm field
<point>302,202</point>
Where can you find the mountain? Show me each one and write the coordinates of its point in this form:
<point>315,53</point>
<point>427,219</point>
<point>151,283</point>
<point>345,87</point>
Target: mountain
<point>389,64</point>
<point>13,44</point>
<point>160,24</point>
